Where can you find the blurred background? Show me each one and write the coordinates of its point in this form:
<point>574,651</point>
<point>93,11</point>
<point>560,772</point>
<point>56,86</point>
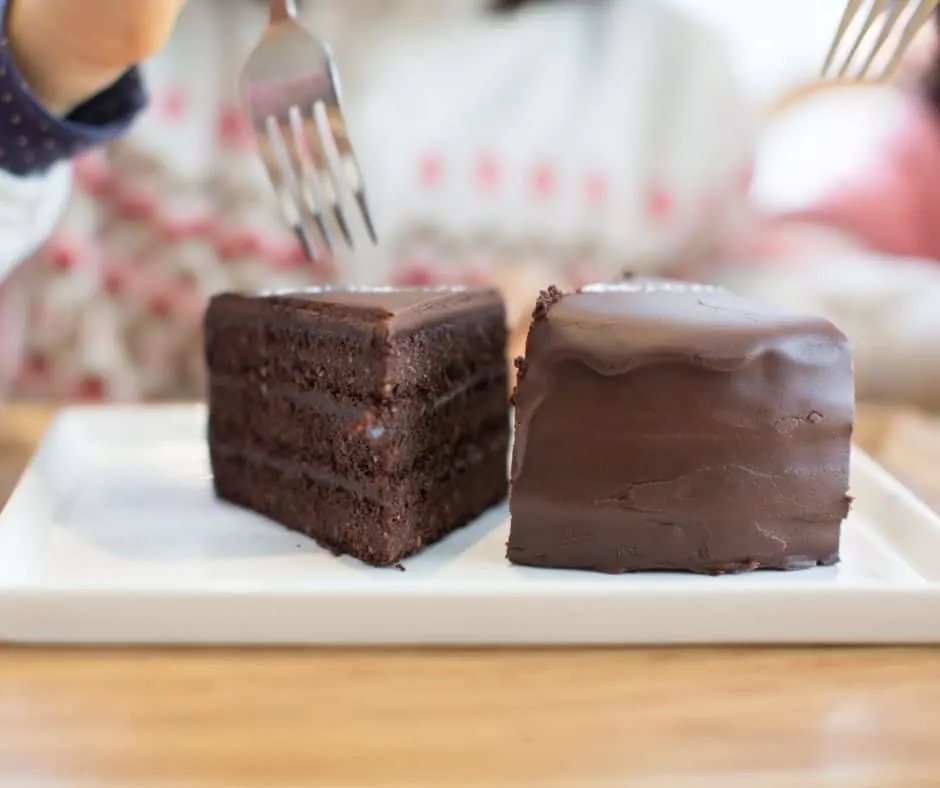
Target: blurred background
<point>515,143</point>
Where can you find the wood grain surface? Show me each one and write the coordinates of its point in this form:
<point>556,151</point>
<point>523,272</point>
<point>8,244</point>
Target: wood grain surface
<point>572,717</point>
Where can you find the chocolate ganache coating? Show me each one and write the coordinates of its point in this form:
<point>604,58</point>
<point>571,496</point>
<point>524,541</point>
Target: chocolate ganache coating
<point>668,426</point>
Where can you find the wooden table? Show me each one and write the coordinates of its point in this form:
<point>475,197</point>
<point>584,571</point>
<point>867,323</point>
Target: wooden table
<point>577,717</point>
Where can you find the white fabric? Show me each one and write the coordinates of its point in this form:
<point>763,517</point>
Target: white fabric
<point>774,46</point>
<point>581,88</point>
<point>813,148</point>
<point>886,307</point>
<point>629,89</point>
<point>29,208</point>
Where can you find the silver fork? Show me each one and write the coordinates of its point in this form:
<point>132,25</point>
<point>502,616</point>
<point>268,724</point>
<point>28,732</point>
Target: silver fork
<point>901,19</point>
<point>291,94</point>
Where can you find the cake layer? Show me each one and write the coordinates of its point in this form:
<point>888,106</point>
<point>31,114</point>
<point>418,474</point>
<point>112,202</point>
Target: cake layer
<point>402,310</point>
<point>353,440</point>
<point>405,490</point>
<point>380,528</point>
<point>331,352</point>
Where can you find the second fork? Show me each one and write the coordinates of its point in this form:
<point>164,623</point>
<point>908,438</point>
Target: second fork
<point>887,21</point>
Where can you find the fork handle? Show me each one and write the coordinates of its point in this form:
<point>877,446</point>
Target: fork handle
<point>283,10</point>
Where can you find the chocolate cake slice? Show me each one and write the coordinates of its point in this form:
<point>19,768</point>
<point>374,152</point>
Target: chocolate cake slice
<point>374,420</point>
<point>666,426</point>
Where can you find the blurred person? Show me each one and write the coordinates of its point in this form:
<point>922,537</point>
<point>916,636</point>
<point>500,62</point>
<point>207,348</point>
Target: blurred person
<point>518,144</point>
<point>62,72</point>
<point>846,222</point>
<point>514,142</point>
<point>67,84</point>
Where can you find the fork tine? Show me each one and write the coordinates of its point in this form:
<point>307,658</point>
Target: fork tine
<point>357,185</point>
<point>343,227</point>
<point>326,175</point>
<point>322,133</point>
<point>351,169</point>
<point>895,12</point>
<point>308,182</point>
<point>285,182</point>
<point>877,9</point>
<point>851,11</point>
<point>366,215</point>
<point>335,123</point>
<point>919,18</point>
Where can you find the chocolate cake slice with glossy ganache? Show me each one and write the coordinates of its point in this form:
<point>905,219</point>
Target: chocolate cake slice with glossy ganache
<point>669,426</point>
<point>374,420</point>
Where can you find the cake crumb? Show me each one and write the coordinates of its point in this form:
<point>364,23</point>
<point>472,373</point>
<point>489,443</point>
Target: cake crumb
<point>546,300</point>
<point>521,366</point>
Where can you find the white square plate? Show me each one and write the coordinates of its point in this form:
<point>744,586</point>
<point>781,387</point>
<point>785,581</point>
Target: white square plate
<point>114,535</point>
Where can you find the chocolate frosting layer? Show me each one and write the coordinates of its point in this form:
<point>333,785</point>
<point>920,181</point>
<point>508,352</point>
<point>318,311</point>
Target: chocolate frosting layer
<point>669,426</point>
<point>615,327</point>
<point>402,309</point>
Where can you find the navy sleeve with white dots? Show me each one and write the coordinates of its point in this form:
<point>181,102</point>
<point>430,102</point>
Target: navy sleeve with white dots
<point>32,139</point>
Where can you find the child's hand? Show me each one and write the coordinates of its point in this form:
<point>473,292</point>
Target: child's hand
<point>70,50</point>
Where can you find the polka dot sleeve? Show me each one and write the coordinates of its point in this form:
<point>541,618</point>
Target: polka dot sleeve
<point>32,140</point>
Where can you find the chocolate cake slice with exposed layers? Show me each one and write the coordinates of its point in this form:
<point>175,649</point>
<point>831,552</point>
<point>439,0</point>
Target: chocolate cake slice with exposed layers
<point>375,421</point>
